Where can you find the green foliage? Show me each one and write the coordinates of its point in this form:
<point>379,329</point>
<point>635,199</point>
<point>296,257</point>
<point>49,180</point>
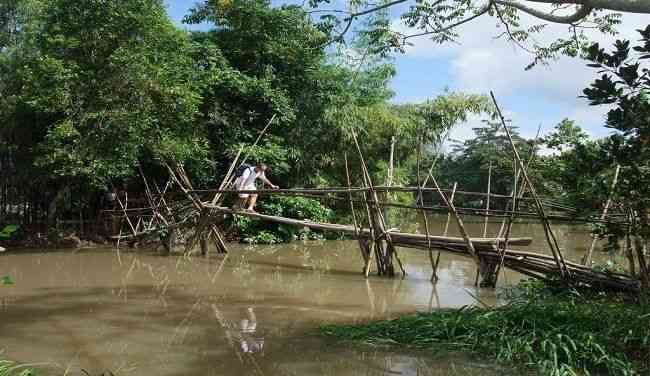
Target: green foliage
<point>625,83</point>
<point>468,162</point>
<point>259,232</point>
<point>580,171</point>
<point>8,231</point>
<point>264,61</point>
<point>6,281</point>
<point>566,135</point>
<point>442,21</point>
<point>555,333</point>
<point>99,84</point>
<point>8,368</point>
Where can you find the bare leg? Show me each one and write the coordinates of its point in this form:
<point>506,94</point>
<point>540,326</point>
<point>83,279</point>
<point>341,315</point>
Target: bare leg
<point>251,202</point>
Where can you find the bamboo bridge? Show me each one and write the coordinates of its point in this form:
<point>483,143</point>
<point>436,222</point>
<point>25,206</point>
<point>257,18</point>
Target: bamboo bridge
<point>199,215</point>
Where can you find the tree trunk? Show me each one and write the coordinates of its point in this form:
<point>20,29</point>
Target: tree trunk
<point>54,205</point>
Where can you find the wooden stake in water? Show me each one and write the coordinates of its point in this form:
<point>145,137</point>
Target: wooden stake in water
<point>587,259</point>
<point>487,204</point>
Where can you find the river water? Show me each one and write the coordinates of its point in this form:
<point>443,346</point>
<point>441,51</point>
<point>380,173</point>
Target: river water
<point>254,312</point>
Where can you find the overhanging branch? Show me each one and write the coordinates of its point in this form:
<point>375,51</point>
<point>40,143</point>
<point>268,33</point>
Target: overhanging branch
<point>627,6</point>
<point>579,14</point>
<point>479,13</point>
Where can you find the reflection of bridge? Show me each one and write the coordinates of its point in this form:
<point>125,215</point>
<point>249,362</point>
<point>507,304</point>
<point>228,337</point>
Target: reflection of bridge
<point>199,217</point>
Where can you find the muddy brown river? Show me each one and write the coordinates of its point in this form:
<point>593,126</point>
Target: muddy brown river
<point>254,312</point>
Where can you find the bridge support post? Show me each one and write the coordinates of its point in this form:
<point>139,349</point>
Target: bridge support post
<point>204,227</point>
<point>384,248</point>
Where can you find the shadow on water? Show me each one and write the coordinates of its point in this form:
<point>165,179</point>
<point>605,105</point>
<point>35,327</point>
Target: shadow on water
<point>254,312</point>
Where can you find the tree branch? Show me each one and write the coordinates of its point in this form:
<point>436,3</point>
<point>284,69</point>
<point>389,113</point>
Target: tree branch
<point>579,14</point>
<point>371,10</point>
<point>627,6</point>
<point>508,32</point>
<point>479,13</point>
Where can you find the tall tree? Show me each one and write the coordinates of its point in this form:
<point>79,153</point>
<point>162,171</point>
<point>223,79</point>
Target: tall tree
<point>96,85</point>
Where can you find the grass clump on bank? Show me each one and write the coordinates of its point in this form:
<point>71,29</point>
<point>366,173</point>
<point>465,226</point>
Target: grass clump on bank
<point>555,333</point>
<point>8,368</point>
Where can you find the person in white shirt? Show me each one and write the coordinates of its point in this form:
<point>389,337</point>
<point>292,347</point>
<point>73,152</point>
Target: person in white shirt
<point>246,182</point>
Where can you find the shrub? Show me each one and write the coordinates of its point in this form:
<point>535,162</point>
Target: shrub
<point>8,232</point>
<point>255,231</point>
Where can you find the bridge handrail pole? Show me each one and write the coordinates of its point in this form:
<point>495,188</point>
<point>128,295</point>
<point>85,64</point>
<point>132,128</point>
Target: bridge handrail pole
<point>487,204</point>
<point>228,178</point>
<point>419,202</point>
<point>364,253</point>
<point>548,231</point>
<point>459,222</point>
<point>587,259</point>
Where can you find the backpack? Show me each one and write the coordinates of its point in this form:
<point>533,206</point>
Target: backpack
<point>241,169</point>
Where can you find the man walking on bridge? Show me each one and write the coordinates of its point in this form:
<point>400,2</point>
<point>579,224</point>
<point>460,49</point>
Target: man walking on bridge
<point>247,175</point>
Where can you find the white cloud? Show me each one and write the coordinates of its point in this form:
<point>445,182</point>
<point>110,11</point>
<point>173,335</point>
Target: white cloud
<point>480,62</point>
<point>464,131</point>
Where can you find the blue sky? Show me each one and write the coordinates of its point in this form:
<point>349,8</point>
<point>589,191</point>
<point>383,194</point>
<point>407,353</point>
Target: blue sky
<point>479,62</point>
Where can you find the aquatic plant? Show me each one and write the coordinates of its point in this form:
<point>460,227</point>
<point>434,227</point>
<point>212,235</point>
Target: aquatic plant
<point>567,333</point>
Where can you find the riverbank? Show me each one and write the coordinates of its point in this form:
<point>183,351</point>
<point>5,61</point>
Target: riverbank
<point>551,332</point>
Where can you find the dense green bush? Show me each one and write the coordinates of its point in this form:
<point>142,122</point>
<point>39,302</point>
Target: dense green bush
<point>556,333</point>
<point>255,231</point>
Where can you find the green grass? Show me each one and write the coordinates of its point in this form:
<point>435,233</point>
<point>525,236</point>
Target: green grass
<point>552,333</point>
<point>8,368</point>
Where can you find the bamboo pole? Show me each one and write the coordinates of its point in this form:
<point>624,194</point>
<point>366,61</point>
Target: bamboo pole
<point>381,222</point>
<point>548,231</point>
<point>487,205</point>
<point>182,180</point>
<point>364,256</point>
<point>510,219</point>
<point>124,207</point>
<point>228,178</point>
<point>628,247</point>
<point>463,210</point>
<point>459,222</point>
<point>345,190</point>
<point>451,199</point>
<point>391,166</point>
<point>420,203</point>
<point>587,259</point>
<point>522,188</point>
